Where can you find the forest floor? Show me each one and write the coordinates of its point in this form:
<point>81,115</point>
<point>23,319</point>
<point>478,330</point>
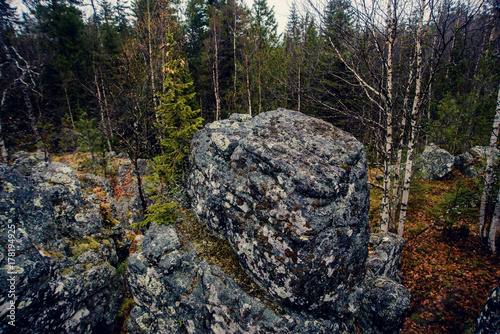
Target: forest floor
<point>447,269</point>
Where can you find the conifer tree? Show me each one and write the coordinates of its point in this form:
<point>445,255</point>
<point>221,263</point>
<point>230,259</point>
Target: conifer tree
<point>177,125</point>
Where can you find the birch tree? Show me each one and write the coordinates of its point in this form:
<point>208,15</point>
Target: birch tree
<point>377,56</point>
<point>488,184</point>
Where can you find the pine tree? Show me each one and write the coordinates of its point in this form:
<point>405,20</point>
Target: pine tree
<point>177,124</point>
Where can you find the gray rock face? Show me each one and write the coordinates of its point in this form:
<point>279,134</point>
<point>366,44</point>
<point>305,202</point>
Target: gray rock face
<point>489,319</point>
<point>482,151</point>
<point>62,255</point>
<point>465,164</point>
<point>435,163</point>
<point>384,255</point>
<point>290,194</point>
<point>468,163</point>
<point>385,300</point>
<point>176,293</point>
<point>23,161</point>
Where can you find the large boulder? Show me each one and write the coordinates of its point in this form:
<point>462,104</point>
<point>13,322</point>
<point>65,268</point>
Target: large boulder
<point>290,194</point>
<point>489,319</point>
<point>472,162</point>
<point>435,163</point>
<point>58,254</point>
<point>465,163</point>
<point>176,292</point>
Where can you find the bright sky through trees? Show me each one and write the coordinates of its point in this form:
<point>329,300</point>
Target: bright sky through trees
<point>281,9</point>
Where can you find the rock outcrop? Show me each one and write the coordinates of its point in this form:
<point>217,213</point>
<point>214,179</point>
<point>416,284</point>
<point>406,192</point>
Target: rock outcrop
<point>469,163</point>
<point>175,292</point>
<point>435,163</point>
<point>290,194</point>
<point>385,300</point>
<point>59,248</point>
<point>489,319</point>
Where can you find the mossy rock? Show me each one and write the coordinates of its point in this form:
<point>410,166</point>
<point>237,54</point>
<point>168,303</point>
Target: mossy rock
<point>84,245</point>
<point>67,271</point>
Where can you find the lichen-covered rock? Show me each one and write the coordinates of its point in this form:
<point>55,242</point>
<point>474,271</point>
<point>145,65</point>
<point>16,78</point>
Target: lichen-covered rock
<point>435,163</point>
<point>290,194</point>
<point>175,292</point>
<point>23,161</point>
<point>465,164</point>
<point>385,300</point>
<point>384,255</point>
<point>482,151</point>
<point>472,162</point>
<point>55,243</point>
<point>489,319</point>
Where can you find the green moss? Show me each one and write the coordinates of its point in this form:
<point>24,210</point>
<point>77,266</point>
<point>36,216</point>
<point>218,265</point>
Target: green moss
<point>127,305</point>
<point>84,245</point>
<point>122,267</point>
<point>67,271</point>
<point>415,317</point>
<point>219,253</point>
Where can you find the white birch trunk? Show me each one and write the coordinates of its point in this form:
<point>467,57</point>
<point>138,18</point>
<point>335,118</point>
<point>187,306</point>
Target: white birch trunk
<point>151,66</point>
<point>396,191</point>
<point>488,183</point>
<point>101,109</point>
<point>385,206</point>
<point>417,105</point>
<point>494,226</point>
<point>3,150</point>
<point>215,74</point>
<point>248,86</point>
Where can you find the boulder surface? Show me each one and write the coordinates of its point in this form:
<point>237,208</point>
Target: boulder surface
<point>489,319</point>
<point>176,292</point>
<point>290,194</point>
<point>58,253</point>
<point>435,163</point>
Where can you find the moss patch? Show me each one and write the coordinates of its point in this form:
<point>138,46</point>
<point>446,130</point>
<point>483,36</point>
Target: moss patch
<point>67,271</point>
<point>84,245</point>
<point>218,252</point>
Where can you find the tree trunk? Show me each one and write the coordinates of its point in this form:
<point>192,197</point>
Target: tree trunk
<point>488,183</point>
<point>235,77</point>
<point>385,206</point>
<point>248,86</point>
<point>139,184</point>
<point>3,150</point>
<point>101,109</point>
<point>259,82</point>
<point>215,73</point>
<point>417,105</point>
<point>396,191</point>
<point>151,66</point>
<point>69,106</point>
<point>494,226</point>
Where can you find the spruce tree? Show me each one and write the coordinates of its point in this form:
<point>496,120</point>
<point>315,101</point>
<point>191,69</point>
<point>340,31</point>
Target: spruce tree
<point>177,123</point>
